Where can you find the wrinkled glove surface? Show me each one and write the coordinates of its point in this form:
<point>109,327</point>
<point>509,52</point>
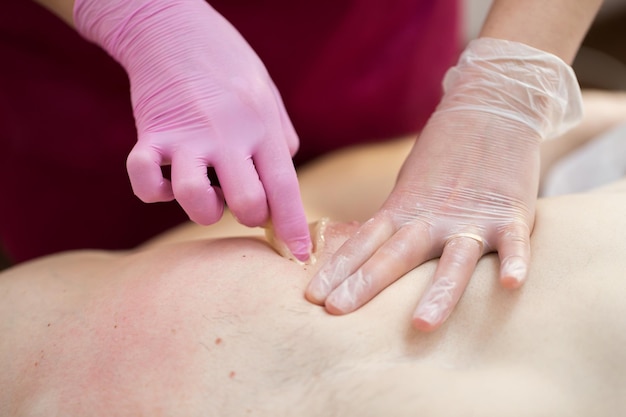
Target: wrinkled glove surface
<point>468,186</point>
<point>201,98</point>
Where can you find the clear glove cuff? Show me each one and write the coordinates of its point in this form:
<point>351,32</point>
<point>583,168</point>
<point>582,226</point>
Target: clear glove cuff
<point>515,81</point>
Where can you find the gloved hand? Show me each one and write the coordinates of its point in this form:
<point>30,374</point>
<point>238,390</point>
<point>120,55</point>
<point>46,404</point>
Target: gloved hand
<point>468,186</point>
<point>201,97</point>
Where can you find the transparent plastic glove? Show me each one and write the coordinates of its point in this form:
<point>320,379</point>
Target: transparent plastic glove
<point>468,186</point>
<point>202,98</point>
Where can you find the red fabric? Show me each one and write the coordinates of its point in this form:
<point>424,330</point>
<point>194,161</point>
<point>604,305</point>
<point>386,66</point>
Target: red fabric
<point>349,72</point>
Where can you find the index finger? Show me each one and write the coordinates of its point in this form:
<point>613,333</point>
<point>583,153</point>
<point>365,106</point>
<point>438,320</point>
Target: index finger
<point>278,175</point>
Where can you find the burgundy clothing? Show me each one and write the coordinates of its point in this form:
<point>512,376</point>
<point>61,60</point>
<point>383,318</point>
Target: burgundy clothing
<point>349,72</point>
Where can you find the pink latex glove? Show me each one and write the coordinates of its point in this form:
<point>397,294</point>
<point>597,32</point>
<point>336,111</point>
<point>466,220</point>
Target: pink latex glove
<point>202,98</point>
<point>468,187</point>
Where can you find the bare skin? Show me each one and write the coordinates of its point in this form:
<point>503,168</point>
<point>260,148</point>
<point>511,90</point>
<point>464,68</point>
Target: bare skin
<point>220,327</point>
<point>387,246</point>
<point>556,26</point>
<point>62,8</point>
<point>194,325</point>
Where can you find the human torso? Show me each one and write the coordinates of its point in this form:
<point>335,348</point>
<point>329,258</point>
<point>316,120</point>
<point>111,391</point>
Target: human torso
<point>222,328</point>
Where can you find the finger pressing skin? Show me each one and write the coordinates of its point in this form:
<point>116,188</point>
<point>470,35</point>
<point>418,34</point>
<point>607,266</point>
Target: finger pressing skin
<point>408,247</point>
<point>454,270</point>
<point>514,253</point>
<point>284,200</point>
<point>146,178</point>
<point>203,203</point>
<point>352,254</point>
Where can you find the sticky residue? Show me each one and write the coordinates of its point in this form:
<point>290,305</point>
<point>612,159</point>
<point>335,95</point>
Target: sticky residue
<point>316,229</point>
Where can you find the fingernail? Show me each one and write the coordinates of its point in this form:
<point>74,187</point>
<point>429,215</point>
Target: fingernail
<point>435,305</point>
<point>301,250</point>
<point>347,296</point>
<point>327,278</point>
<point>427,316</point>
<point>319,288</point>
<point>513,272</point>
